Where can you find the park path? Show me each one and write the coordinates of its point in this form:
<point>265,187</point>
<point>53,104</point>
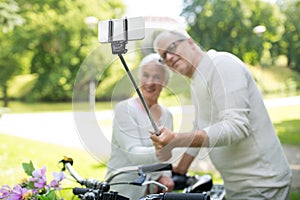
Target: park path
<point>59,128</point>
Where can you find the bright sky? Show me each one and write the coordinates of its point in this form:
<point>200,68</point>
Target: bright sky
<point>169,8</point>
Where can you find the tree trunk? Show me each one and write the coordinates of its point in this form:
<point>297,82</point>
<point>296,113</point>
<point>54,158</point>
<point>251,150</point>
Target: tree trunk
<point>5,97</point>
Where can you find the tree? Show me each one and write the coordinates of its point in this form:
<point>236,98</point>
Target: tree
<point>228,25</point>
<point>290,43</point>
<point>9,19</point>
<point>56,40</point>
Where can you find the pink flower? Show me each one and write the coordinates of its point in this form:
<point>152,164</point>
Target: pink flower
<point>58,177</point>
<point>35,188</point>
<point>18,192</point>
<point>4,191</point>
<point>39,178</point>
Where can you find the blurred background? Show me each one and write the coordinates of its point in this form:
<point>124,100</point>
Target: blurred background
<point>43,45</point>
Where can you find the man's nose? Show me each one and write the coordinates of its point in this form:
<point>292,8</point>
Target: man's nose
<point>169,56</point>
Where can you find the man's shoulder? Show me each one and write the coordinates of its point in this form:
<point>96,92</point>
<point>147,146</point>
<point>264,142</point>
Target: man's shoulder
<point>213,54</point>
<point>223,57</point>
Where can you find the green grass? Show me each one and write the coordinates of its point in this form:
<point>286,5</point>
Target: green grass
<point>276,80</point>
<point>16,150</point>
<point>286,120</point>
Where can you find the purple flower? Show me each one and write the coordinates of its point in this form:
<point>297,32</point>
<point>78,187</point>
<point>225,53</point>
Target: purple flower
<point>58,177</point>
<point>35,188</point>
<point>4,191</point>
<point>39,178</point>
<point>18,193</point>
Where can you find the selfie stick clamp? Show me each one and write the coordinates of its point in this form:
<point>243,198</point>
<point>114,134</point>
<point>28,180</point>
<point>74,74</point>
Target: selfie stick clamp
<point>119,47</point>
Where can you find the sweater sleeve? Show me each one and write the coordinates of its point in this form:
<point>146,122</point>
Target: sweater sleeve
<point>230,96</point>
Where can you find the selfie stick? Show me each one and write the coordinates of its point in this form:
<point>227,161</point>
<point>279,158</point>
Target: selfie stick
<point>119,47</point>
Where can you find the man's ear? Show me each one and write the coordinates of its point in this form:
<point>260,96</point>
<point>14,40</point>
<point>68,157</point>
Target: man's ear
<point>191,42</point>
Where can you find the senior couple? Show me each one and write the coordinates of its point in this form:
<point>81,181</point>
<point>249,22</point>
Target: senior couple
<point>230,120</point>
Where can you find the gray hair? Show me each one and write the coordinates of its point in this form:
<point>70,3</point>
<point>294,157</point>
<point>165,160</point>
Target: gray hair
<point>154,58</point>
<point>170,33</point>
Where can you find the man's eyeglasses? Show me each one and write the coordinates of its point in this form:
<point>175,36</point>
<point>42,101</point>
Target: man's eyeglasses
<point>171,49</point>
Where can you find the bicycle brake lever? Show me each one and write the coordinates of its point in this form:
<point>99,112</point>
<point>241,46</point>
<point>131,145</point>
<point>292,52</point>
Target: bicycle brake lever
<point>155,183</point>
<point>152,197</point>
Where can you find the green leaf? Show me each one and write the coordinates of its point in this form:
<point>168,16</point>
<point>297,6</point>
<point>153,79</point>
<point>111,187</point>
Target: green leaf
<point>44,198</point>
<point>30,185</point>
<point>28,168</point>
<point>49,196</point>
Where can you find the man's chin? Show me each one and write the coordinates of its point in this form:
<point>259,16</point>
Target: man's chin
<point>180,70</point>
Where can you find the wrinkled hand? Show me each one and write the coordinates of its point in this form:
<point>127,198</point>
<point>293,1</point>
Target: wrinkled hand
<point>167,181</point>
<point>163,154</point>
<point>163,140</point>
<point>162,144</point>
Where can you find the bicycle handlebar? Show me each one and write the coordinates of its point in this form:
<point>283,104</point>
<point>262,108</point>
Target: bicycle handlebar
<point>95,187</point>
<point>141,169</point>
<point>176,196</point>
<point>91,183</point>
<point>78,191</point>
<point>161,196</point>
<point>87,193</point>
<point>155,167</point>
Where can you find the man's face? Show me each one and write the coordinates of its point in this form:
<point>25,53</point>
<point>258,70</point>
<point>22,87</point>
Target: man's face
<point>177,53</point>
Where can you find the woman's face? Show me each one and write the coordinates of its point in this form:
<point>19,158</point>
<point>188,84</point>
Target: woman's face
<point>153,79</point>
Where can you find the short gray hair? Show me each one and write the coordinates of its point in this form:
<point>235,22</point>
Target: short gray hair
<point>170,33</point>
<point>154,58</point>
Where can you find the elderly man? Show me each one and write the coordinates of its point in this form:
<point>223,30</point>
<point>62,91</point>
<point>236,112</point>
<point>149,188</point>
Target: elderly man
<point>231,121</point>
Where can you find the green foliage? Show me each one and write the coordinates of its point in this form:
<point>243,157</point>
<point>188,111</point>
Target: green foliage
<point>277,80</point>
<point>290,44</point>
<point>117,85</point>
<point>50,196</point>
<point>9,17</point>
<point>228,26</point>
<point>50,41</point>
<point>28,168</point>
<point>55,40</point>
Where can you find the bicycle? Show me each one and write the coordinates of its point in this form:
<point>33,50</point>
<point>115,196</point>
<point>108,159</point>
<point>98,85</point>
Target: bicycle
<point>100,190</point>
<point>199,184</point>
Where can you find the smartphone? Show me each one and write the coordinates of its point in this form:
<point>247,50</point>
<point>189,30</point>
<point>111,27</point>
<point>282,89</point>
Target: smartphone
<point>127,29</point>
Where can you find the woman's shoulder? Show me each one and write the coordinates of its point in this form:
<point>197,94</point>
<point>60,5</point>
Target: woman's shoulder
<point>126,104</point>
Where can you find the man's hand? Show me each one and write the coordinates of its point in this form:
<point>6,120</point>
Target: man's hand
<point>162,144</point>
<point>163,154</point>
<point>167,181</point>
<point>165,139</point>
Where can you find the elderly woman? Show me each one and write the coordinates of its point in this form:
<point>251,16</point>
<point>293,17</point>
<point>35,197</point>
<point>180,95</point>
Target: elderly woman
<point>131,143</point>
